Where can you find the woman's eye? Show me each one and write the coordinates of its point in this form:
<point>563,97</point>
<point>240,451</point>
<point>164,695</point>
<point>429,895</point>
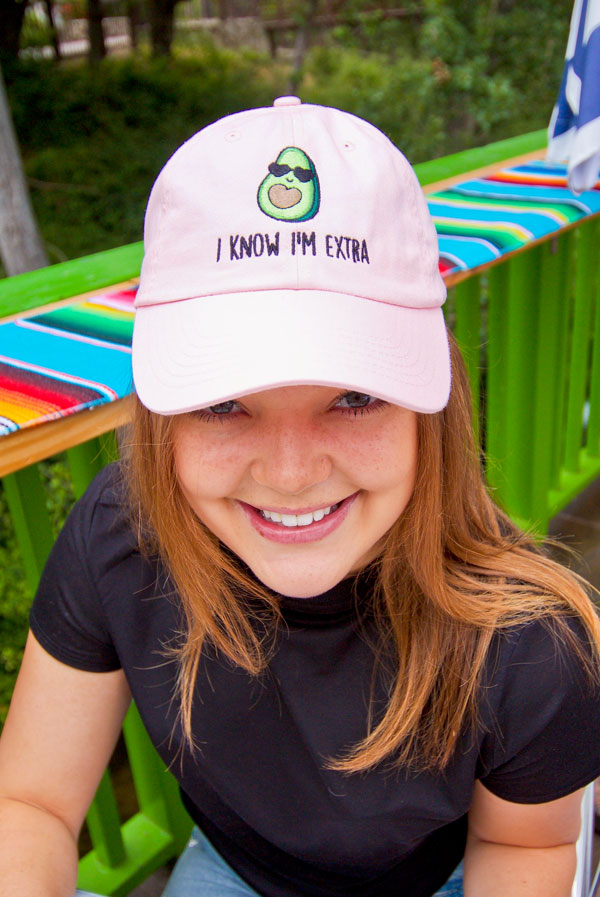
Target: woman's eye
<point>355,400</point>
<point>221,411</point>
<point>222,407</point>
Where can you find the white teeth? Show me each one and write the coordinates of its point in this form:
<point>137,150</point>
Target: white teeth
<point>298,519</point>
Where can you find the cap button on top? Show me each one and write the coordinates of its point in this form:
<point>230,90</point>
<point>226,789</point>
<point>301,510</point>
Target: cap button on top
<point>287,101</point>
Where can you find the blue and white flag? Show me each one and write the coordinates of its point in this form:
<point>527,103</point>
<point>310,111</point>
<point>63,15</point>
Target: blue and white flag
<point>574,131</point>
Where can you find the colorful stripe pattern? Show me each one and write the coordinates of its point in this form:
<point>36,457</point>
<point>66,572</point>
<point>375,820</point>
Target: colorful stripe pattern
<point>479,220</point>
<point>78,356</point>
<point>63,361</point>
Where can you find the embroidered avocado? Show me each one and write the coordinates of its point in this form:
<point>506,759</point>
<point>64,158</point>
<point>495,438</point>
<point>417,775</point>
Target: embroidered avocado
<point>290,192</point>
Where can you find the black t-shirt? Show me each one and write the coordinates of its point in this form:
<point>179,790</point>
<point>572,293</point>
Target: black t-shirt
<point>258,785</point>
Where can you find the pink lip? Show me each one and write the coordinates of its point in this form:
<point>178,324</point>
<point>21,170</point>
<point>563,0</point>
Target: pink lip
<point>275,532</point>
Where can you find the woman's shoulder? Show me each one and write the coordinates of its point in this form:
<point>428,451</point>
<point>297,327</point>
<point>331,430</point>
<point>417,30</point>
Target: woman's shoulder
<point>100,526</point>
<point>547,652</point>
<point>108,489</point>
<point>540,710</point>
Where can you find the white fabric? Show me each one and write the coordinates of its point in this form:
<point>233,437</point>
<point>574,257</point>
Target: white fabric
<point>574,131</point>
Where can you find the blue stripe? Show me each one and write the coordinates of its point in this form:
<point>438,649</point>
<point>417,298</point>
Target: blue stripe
<point>97,363</point>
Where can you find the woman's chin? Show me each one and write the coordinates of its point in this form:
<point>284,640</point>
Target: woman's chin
<point>299,583</point>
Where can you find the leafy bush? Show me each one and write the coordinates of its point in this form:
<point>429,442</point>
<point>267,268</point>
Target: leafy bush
<point>397,97</point>
<point>36,30</point>
<point>93,141</point>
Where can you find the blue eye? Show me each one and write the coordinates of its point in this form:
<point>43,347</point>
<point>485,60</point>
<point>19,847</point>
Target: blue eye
<point>355,400</point>
<point>355,403</point>
<point>222,407</point>
<point>221,411</point>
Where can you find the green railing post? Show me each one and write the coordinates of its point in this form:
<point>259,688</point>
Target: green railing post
<point>547,382</point>
<point>496,383</point>
<point>467,331</point>
<point>585,284</point>
<point>566,266</point>
<point>85,461</point>
<point>156,789</point>
<point>520,374</point>
<point>512,320</point>
<point>104,824</point>
<point>27,504</point>
<point>593,427</point>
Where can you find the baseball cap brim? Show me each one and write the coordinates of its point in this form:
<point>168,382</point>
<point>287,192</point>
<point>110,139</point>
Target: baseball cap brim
<point>194,353</point>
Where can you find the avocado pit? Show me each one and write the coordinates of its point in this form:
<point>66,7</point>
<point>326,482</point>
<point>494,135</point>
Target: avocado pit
<point>283,197</point>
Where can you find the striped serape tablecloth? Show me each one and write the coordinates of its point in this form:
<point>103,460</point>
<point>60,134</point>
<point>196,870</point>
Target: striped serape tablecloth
<point>78,356</point>
<point>480,220</point>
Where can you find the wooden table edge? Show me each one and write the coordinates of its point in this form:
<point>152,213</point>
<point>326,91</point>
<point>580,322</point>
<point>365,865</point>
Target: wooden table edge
<point>40,441</point>
<point>492,168</point>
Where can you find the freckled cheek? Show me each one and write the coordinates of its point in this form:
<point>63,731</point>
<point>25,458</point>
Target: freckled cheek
<point>381,464</point>
<point>208,471</point>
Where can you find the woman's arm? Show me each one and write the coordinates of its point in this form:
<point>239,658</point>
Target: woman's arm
<point>521,850</point>
<point>60,732</point>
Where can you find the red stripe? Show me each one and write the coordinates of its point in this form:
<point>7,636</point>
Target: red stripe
<point>528,182</point>
<point>445,265</point>
<point>33,391</point>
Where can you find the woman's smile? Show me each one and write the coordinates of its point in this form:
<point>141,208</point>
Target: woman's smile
<point>301,482</point>
<point>289,527</point>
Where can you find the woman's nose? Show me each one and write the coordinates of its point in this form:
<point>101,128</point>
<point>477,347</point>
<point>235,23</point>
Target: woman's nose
<point>290,462</point>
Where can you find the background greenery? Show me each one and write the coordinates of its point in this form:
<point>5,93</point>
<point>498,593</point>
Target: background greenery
<point>94,138</point>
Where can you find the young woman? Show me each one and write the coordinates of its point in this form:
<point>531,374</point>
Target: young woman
<point>358,668</point>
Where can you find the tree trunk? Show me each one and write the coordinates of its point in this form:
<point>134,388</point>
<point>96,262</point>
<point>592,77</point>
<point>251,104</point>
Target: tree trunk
<point>21,246</point>
<point>133,18</point>
<point>302,42</point>
<point>95,32</point>
<point>12,13</point>
<point>53,31</point>
<point>162,13</point>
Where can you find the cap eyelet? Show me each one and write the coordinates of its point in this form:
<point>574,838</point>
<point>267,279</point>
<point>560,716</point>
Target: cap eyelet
<point>348,145</point>
<point>232,136</point>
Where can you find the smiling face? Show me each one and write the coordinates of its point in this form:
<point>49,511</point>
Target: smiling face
<point>301,482</point>
<point>290,191</point>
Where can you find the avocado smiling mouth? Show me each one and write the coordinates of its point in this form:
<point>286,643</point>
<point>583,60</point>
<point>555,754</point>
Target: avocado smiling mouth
<point>283,197</point>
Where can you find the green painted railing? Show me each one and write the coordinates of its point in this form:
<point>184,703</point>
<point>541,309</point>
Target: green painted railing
<point>530,333</point>
<point>529,329</point>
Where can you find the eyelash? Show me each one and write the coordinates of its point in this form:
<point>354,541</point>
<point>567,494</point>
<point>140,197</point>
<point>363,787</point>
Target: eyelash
<point>205,414</point>
<point>362,410</point>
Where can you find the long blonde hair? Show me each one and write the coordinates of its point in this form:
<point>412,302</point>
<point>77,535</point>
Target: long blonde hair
<point>452,571</point>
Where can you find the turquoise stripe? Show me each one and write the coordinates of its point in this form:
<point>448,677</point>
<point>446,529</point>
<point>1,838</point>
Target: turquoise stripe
<point>538,225</point>
<point>588,203</point>
<point>83,361</point>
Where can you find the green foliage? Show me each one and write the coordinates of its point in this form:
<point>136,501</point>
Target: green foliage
<point>93,141</point>
<point>471,73</point>
<point>500,63</point>
<point>397,98</point>
<point>36,31</point>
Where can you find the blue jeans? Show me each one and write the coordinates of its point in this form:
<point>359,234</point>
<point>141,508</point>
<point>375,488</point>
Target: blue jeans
<point>201,872</point>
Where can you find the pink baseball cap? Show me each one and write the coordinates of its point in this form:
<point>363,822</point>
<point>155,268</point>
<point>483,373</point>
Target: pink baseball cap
<point>289,245</point>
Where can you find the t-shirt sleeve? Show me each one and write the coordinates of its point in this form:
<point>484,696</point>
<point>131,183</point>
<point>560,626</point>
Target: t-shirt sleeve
<point>544,742</point>
<point>67,616</point>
